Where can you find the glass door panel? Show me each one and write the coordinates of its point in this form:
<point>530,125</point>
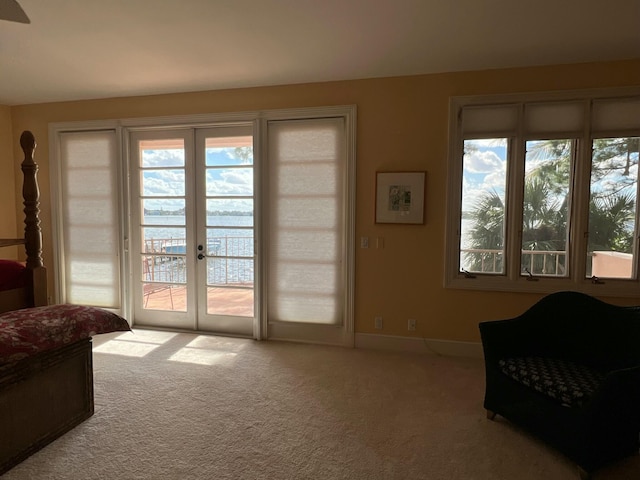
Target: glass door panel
<point>161,229</point>
<point>230,246</point>
<point>226,229</point>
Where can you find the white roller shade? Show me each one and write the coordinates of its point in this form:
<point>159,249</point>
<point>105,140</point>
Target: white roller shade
<point>89,224</point>
<point>619,114</point>
<point>489,119</point>
<point>307,165</point>
<point>554,117</point>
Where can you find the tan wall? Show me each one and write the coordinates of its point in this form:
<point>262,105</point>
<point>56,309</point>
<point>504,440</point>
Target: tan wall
<point>8,164</point>
<point>402,125</point>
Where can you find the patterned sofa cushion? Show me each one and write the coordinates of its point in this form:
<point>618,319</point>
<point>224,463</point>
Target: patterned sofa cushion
<point>569,383</point>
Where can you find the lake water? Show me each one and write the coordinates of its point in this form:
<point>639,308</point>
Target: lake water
<point>159,226</point>
<point>223,240</point>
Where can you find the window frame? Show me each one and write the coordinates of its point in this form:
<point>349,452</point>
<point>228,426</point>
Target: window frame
<point>512,280</point>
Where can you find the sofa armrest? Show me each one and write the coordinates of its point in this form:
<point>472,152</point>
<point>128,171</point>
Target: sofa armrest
<point>618,398</point>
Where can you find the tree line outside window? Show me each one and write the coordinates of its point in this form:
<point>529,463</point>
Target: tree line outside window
<point>545,206</point>
<point>544,191</point>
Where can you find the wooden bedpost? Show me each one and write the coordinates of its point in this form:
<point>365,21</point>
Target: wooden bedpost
<point>32,230</point>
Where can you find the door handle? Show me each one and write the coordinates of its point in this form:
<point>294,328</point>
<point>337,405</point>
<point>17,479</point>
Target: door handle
<point>200,256</point>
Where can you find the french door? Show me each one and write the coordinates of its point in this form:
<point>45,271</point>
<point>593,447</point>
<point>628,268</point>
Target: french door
<point>192,237</point>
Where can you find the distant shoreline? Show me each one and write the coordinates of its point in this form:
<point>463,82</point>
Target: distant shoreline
<point>180,213</point>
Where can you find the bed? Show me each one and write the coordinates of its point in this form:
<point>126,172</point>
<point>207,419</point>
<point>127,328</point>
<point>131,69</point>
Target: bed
<point>25,284</point>
<point>46,371</point>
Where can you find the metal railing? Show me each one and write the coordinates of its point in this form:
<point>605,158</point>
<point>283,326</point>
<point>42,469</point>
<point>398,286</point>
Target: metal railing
<point>229,262</point>
<point>550,263</point>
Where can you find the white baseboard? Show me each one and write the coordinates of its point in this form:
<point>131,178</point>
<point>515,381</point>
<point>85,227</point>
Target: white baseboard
<point>418,345</point>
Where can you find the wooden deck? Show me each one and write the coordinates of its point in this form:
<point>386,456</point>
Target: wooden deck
<point>221,301</point>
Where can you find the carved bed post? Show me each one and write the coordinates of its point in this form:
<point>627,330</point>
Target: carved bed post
<point>32,230</point>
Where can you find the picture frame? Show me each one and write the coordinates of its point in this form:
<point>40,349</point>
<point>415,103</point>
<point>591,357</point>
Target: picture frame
<point>400,197</point>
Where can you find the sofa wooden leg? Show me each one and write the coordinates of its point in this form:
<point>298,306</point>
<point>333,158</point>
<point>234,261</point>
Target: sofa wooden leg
<point>491,415</point>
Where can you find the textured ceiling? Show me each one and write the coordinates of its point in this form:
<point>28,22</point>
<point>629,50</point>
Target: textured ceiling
<point>80,49</point>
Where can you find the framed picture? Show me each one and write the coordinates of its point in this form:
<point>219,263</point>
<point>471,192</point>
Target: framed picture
<point>400,197</point>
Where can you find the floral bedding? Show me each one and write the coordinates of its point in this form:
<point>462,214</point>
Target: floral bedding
<point>30,331</point>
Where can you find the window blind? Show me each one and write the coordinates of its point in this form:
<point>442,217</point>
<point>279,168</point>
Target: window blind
<point>617,114</point>
<point>482,120</point>
<point>306,176</point>
<point>89,224</point>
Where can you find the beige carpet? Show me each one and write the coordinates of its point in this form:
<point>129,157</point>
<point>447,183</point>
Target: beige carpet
<point>181,406</point>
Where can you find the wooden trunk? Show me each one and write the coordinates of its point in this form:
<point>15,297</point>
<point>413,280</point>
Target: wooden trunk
<point>43,397</point>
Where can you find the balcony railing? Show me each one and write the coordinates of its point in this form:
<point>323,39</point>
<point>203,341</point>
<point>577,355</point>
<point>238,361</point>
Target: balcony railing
<point>229,261</point>
<point>535,262</point>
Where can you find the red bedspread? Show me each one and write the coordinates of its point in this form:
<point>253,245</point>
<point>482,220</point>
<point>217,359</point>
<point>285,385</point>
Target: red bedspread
<point>30,331</point>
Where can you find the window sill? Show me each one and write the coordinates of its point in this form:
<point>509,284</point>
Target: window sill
<point>609,287</point>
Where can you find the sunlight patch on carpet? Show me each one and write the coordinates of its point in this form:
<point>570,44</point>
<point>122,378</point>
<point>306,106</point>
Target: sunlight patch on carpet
<point>207,350</point>
<point>134,344</point>
<point>201,357</point>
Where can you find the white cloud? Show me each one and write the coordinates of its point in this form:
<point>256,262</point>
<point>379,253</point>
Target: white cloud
<point>230,182</point>
<point>483,162</point>
<point>164,183</point>
<point>475,184</point>
<point>495,181</point>
<point>163,158</point>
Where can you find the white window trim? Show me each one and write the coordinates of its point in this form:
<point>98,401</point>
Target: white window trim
<point>513,281</point>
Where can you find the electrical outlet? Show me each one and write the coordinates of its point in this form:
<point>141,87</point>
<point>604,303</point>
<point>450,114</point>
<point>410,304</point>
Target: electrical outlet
<point>411,324</point>
<point>364,242</point>
<point>378,322</point>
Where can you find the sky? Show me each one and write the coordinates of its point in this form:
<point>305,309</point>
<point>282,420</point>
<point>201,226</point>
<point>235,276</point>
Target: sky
<point>485,170</point>
<point>163,178</point>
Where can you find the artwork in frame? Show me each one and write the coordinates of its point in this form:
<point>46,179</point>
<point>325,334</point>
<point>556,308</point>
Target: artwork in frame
<point>400,197</point>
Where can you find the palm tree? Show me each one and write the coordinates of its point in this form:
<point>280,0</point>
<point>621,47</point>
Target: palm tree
<point>487,232</point>
<point>609,222</point>
<point>613,194</point>
<point>544,216</point>
<point>544,223</point>
<point>545,203</point>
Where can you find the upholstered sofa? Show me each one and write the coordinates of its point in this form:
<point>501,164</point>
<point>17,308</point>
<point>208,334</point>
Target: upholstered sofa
<point>568,371</point>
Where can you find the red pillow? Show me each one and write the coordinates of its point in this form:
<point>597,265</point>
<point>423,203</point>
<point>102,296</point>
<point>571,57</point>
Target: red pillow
<point>12,274</point>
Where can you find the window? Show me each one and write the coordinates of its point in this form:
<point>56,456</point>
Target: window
<point>307,178</point>
<point>88,245</point>
<point>482,224</point>
<point>613,191</point>
<point>542,193</point>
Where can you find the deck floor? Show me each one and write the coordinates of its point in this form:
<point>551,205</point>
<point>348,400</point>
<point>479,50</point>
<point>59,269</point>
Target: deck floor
<point>220,301</point>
